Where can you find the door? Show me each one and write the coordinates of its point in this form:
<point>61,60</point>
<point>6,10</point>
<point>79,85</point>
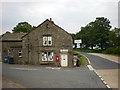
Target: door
<point>64,60</point>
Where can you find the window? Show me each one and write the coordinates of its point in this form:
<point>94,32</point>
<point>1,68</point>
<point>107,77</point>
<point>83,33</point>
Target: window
<point>20,53</point>
<point>8,52</point>
<point>44,56</point>
<point>47,41</point>
<point>47,56</point>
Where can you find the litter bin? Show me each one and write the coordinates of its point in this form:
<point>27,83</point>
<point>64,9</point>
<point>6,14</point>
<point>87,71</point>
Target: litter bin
<point>77,62</point>
<point>11,60</point>
<point>5,59</point>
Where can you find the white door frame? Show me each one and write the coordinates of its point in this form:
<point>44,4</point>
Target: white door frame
<point>64,63</point>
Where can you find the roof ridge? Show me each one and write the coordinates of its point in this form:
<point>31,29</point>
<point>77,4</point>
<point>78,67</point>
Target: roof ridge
<point>44,22</point>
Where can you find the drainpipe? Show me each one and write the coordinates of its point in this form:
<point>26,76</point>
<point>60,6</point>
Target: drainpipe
<point>28,49</point>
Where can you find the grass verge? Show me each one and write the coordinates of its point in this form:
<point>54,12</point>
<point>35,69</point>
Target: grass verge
<point>109,51</point>
<point>83,60</point>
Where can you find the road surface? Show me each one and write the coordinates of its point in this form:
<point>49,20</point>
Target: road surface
<point>100,63</point>
<point>107,68</point>
<point>52,77</point>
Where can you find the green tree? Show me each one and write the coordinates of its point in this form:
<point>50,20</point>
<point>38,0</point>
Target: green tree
<point>23,27</point>
<point>84,34</point>
<point>73,35</point>
<point>114,37</point>
<point>95,33</point>
<point>101,31</point>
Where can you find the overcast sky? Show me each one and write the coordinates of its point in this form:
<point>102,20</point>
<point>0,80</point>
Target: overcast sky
<point>68,14</point>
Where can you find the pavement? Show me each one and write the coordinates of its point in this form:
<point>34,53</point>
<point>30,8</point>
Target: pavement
<point>52,77</point>
<point>110,76</point>
<point>106,66</point>
<point>6,83</point>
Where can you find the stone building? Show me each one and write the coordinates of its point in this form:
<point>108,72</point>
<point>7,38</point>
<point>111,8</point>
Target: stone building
<point>48,44</point>
<point>12,46</point>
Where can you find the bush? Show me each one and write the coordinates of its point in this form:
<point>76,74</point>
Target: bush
<point>83,60</point>
<point>117,50</point>
<point>75,53</point>
<point>112,50</point>
<point>109,51</point>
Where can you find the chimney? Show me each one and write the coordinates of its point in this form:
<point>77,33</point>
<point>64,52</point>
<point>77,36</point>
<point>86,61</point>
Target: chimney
<point>50,19</point>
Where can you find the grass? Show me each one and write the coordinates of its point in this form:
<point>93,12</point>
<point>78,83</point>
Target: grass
<point>98,51</point>
<point>88,50</point>
<point>83,60</point>
<point>111,54</point>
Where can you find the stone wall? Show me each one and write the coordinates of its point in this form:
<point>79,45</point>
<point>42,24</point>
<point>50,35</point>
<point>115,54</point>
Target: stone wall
<point>60,40</point>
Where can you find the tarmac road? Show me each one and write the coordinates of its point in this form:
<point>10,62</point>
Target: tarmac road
<point>52,77</point>
<point>107,68</point>
<point>100,63</point>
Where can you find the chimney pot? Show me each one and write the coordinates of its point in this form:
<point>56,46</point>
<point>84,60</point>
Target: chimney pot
<point>50,19</point>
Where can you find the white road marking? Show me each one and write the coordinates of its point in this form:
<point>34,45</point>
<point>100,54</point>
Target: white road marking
<point>90,67</point>
<point>24,68</point>
<point>53,68</point>
<point>102,80</point>
<point>67,70</point>
<point>105,82</point>
<point>108,86</point>
<point>56,68</point>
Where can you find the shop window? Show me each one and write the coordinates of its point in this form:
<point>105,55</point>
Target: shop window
<point>47,41</point>
<point>47,56</point>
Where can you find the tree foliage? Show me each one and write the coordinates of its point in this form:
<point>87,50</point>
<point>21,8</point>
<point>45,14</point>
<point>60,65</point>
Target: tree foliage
<point>95,33</point>
<point>23,27</point>
<point>114,37</point>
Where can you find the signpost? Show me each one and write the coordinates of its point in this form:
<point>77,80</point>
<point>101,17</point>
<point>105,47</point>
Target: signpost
<point>78,42</point>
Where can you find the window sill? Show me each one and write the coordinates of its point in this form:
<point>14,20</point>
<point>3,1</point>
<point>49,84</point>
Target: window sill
<point>48,46</point>
<point>46,62</point>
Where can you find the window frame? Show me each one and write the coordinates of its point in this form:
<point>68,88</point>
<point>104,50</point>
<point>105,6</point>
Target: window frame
<point>47,39</point>
<point>20,53</point>
<point>48,56</point>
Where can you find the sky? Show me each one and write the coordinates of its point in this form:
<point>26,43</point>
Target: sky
<point>71,15</point>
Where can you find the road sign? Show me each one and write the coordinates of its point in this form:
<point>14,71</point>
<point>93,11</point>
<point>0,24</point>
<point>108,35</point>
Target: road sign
<point>78,41</point>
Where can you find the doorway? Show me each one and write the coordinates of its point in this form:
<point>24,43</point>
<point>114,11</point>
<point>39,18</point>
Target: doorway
<point>64,60</point>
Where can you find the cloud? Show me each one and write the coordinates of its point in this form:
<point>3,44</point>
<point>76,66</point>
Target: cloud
<point>68,14</point>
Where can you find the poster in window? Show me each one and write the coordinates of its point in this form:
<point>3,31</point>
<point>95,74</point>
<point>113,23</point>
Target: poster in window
<point>44,56</point>
<point>50,56</point>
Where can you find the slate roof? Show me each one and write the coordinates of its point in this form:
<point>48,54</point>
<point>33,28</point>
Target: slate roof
<point>13,36</point>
